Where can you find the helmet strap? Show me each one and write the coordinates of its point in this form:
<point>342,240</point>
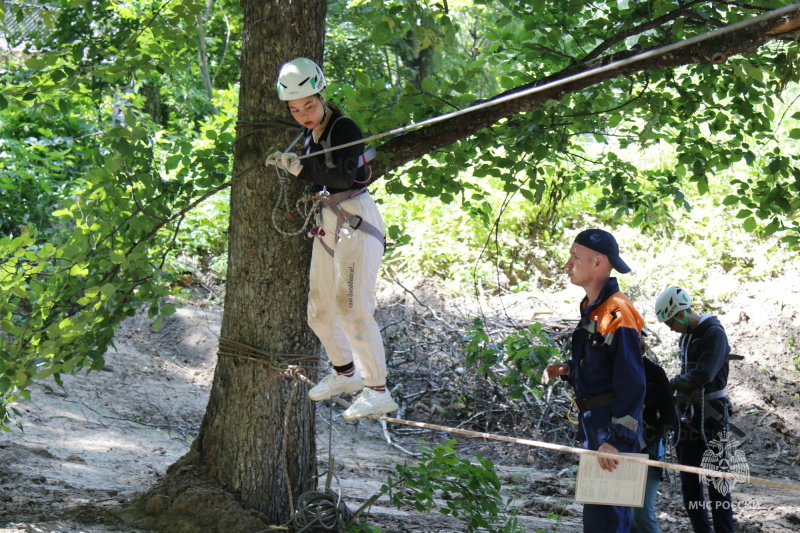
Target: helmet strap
<point>684,322</point>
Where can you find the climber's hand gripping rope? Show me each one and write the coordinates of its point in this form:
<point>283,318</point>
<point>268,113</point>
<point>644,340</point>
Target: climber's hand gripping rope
<point>285,161</point>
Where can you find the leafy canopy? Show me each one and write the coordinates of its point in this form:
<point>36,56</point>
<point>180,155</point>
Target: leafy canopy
<point>116,122</point>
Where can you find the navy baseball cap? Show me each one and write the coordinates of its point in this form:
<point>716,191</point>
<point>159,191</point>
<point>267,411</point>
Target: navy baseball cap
<point>604,243</point>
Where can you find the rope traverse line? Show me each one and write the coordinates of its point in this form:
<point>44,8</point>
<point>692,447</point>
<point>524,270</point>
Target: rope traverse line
<point>295,372</point>
<point>570,449</point>
<point>575,77</point>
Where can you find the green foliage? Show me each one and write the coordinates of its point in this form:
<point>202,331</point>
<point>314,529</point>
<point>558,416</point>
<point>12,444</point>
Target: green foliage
<point>105,148</point>
<point>714,115</point>
<point>516,362</point>
<point>473,489</point>
<point>201,245</point>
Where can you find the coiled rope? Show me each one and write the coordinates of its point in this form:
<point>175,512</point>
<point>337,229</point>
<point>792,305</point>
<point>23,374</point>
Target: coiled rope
<point>306,206</point>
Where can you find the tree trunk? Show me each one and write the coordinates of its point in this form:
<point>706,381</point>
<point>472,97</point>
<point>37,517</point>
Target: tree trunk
<point>247,445</point>
<point>243,432</point>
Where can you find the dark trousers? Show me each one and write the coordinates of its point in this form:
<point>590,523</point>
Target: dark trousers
<point>690,451</point>
<point>607,518</point>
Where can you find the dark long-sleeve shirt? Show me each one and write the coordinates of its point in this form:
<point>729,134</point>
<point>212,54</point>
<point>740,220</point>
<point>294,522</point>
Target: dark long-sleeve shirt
<point>345,173</point>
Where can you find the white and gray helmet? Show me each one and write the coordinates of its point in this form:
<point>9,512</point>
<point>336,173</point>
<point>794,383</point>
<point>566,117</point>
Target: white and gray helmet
<point>670,302</point>
<point>299,78</point>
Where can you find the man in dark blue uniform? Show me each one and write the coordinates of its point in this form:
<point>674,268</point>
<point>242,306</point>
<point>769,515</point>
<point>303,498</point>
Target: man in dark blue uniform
<point>606,365</point>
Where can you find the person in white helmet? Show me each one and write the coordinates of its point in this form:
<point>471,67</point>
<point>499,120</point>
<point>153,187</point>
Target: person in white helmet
<point>348,247</point>
<point>702,404</point>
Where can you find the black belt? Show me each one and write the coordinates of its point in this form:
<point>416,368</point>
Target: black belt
<point>595,402</point>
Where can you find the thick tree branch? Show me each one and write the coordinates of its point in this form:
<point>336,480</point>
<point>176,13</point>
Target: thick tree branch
<point>416,143</point>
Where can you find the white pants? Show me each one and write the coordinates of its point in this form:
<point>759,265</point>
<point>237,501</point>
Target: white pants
<point>341,300</point>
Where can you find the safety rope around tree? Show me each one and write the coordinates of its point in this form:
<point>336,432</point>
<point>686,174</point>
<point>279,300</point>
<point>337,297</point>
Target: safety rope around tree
<point>280,362</point>
<point>325,508</point>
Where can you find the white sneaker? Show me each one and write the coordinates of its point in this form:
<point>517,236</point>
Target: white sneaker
<point>335,384</point>
<point>371,402</point>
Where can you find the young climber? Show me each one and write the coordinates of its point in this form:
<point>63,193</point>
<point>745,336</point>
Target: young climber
<point>606,366</point>
<point>347,252</point>
<point>702,405</point>
<point>659,417</point>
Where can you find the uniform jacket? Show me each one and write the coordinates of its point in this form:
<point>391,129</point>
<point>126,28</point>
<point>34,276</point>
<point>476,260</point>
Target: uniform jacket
<point>606,357</point>
<point>345,174</point>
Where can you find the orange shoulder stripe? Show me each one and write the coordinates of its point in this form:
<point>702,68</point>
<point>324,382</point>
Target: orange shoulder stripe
<point>617,312</point>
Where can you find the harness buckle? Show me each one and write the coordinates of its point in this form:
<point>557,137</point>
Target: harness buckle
<point>350,221</point>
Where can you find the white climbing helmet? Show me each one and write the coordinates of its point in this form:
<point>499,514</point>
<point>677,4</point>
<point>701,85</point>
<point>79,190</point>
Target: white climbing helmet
<point>299,78</point>
<point>670,302</point>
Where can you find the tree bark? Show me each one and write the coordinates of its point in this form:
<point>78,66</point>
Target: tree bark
<point>243,435</point>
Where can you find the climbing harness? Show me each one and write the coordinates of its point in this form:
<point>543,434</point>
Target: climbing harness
<point>323,199</point>
<point>356,222</point>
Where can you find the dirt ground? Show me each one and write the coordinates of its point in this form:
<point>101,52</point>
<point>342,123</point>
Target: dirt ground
<point>103,439</point>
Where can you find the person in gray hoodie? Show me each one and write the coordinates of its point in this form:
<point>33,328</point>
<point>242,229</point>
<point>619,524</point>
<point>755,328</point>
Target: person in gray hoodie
<point>703,407</point>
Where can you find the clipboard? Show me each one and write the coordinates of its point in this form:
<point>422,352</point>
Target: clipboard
<point>625,486</point>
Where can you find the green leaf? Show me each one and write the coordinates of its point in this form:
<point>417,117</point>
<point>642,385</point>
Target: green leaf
<point>78,270</point>
<point>108,290</point>
<point>731,200</point>
<point>381,33</point>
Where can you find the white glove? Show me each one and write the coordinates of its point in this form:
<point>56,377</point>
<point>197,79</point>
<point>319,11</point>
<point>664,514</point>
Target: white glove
<point>273,158</point>
<point>290,162</point>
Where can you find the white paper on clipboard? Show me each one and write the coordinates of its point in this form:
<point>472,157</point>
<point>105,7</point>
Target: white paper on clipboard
<point>624,486</point>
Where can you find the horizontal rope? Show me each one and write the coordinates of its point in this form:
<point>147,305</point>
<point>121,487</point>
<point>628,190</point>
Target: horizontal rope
<point>571,449</point>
